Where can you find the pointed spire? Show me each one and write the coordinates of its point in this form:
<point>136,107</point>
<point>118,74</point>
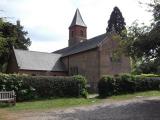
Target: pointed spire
<point>77,20</point>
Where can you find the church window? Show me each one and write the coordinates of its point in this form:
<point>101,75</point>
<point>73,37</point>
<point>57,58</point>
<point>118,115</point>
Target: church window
<point>74,71</point>
<point>71,71</point>
<point>81,32</point>
<point>72,33</point>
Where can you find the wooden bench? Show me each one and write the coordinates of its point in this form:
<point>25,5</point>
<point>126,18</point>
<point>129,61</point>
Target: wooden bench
<point>8,96</point>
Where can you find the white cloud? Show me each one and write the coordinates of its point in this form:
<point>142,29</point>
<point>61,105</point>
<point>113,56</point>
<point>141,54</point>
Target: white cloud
<point>47,21</point>
<point>47,46</point>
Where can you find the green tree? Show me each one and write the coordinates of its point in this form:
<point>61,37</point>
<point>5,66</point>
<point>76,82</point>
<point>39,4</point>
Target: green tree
<point>11,36</point>
<point>21,42</point>
<point>116,21</point>
<point>143,44</point>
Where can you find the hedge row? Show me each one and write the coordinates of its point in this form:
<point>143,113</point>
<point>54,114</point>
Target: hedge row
<point>123,84</point>
<point>35,87</point>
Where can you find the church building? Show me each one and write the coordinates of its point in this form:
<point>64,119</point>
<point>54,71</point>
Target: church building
<point>91,58</point>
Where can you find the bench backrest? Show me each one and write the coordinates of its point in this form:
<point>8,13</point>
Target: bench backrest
<point>7,94</point>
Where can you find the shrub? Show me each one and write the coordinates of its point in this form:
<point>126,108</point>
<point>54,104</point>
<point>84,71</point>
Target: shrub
<point>106,86</point>
<point>82,82</point>
<point>16,83</point>
<point>35,87</point>
<point>126,83</point>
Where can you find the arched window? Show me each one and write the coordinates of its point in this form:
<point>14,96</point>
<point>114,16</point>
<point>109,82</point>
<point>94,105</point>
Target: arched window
<point>81,32</point>
<point>74,70</point>
<point>72,34</point>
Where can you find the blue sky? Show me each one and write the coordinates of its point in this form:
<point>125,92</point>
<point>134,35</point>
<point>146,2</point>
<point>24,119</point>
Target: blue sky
<point>47,21</point>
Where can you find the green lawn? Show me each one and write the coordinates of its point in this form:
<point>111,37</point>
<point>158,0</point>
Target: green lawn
<point>70,102</point>
<point>53,103</point>
<point>134,95</point>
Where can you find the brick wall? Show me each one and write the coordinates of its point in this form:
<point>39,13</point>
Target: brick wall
<point>107,66</point>
<point>87,64</point>
<point>75,35</point>
<point>95,63</point>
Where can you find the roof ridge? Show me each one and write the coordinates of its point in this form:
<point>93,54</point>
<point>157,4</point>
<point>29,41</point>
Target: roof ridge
<point>96,36</point>
<point>84,46</point>
<point>101,42</point>
<point>36,51</point>
<point>88,40</point>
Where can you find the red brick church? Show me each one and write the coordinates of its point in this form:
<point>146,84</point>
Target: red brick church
<point>91,58</point>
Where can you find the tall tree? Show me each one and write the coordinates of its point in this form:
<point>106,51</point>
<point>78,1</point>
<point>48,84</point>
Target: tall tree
<point>16,34</point>
<point>116,21</point>
<point>143,43</point>
<point>11,35</point>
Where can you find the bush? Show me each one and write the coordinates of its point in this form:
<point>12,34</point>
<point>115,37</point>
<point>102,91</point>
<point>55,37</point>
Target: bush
<point>82,82</point>
<point>106,86</point>
<point>126,83</point>
<point>35,87</point>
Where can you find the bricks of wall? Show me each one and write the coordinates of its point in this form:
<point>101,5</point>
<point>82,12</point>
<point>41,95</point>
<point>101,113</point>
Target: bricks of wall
<point>108,67</point>
<point>87,63</point>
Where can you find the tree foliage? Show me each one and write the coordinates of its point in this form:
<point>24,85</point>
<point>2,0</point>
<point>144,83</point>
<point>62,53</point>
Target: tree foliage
<point>116,21</point>
<point>143,43</point>
<point>11,36</point>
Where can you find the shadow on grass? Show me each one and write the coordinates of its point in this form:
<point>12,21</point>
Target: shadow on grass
<point>102,97</point>
<point>5,105</point>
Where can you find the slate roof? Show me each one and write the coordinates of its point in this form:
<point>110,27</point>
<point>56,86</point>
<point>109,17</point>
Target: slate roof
<point>81,47</point>
<point>31,60</point>
<point>77,20</point>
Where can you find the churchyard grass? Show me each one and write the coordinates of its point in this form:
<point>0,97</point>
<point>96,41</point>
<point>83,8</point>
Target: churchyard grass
<point>70,102</point>
<point>135,95</point>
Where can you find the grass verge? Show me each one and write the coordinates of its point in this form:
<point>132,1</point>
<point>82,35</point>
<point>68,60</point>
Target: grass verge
<point>135,95</point>
<point>51,103</point>
<point>70,102</point>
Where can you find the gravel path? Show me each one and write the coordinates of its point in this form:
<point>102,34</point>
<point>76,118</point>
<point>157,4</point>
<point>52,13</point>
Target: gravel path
<point>137,109</point>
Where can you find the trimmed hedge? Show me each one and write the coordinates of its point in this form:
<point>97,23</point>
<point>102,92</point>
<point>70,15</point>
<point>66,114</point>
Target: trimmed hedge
<point>126,83</point>
<point>35,87</point>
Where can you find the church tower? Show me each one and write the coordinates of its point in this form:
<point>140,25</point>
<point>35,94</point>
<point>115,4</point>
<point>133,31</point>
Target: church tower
<point>77,30</point>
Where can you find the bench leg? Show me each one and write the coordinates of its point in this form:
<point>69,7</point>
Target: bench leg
<point>14,103</point>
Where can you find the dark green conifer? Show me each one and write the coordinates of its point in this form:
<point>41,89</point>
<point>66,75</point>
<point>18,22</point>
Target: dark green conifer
<point>116,21</point>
